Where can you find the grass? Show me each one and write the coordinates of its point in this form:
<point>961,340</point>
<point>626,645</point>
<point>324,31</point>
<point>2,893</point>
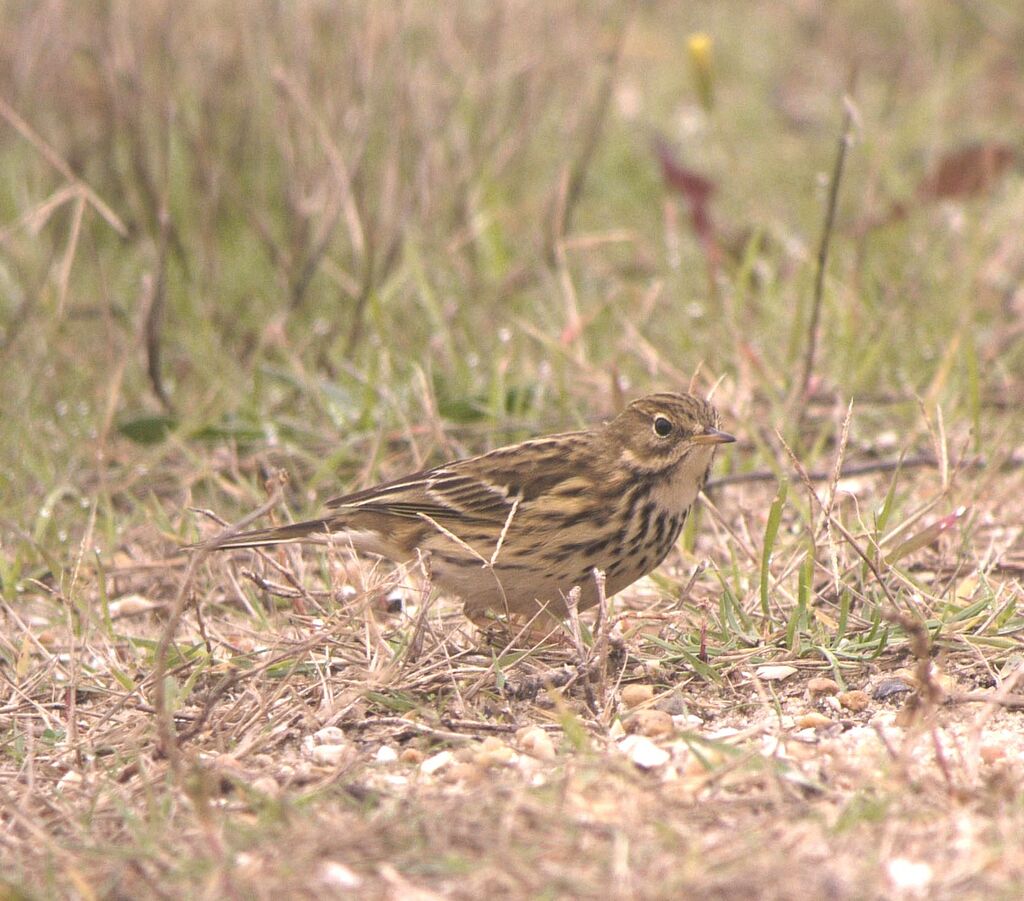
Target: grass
<point>346,241</point>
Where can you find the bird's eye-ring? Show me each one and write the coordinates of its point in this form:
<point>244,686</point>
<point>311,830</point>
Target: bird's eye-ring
<point>662,426</point>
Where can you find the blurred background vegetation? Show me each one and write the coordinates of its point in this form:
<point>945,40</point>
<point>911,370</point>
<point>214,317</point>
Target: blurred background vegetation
<point>359,233</point>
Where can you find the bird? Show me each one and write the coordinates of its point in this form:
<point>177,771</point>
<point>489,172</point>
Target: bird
<point>513,530</point>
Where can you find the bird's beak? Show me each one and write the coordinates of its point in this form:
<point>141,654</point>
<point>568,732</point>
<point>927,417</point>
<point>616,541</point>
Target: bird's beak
<point>713,436</point>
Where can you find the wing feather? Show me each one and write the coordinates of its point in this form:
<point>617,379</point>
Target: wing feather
<point>478,490</point>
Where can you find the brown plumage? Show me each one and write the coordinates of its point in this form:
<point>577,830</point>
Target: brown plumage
<point>513,530</point>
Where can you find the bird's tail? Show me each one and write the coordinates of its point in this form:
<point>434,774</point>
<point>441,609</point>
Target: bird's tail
<point>266,537</point>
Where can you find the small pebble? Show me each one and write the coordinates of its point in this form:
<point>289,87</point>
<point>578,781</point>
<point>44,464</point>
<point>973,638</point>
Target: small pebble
<point>536,742</point>
<point>910,878</point>
<point>266,785</point>
<point>775,672</point>
<point>644,752</point>
<point>804,745</point>
<point>813,720</point>
<point>130,605</point>
<point>226,764</point>
<point>652,723</point>
<point>331,755</point>
<point>386,754</point>
<point>992,753</point>
<point>673,704</point>
<point>889,687</point>
<point>438,762</point>
<point>337,876</point>
<point>822,686</point>
<point>412,755</point>
<point>855,700</point>
<point>71,779</point>
<point>463,772</point>
<point>688,722</point>
<point>634,695</point>
<point>491,757</point>
<point>654,668</point>
<point>329,735</point>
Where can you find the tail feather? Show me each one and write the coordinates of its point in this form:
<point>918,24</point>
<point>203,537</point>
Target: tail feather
<point>266,537</point>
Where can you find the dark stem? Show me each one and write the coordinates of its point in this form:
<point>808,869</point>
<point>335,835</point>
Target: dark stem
<point>845,137</point>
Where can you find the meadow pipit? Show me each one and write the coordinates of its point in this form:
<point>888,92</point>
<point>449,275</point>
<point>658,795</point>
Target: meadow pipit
<point>513,530</point>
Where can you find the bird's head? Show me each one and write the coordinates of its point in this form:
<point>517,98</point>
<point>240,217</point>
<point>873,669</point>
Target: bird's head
<point>660,432</point>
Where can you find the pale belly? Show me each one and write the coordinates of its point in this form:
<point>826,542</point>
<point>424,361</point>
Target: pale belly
<point>524,589</point>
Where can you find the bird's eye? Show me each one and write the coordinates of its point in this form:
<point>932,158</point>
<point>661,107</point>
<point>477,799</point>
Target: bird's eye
<point>662,426</point>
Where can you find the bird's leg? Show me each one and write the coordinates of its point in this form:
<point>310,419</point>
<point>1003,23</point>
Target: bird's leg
<point>541,628</point>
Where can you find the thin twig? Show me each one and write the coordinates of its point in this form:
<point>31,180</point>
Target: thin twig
<point>54,159</point>
<point>572,603</point>
<point>993,699</point>
<point>602,641</point>
<point>845,139</point>
<point>166,739</point>
<point>154,304</point>
<point>69,254</point>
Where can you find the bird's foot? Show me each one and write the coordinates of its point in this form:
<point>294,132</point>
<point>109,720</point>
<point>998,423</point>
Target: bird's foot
<point>519,629</point>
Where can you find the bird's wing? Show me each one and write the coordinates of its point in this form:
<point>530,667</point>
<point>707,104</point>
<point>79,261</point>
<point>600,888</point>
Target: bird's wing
<point>481,489</point>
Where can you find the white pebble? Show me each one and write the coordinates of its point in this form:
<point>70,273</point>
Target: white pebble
<point>775,673</point>
<point>537,743</point>
<point>329,735</point>
<point>910,876</point>
<point>436,763</point>
<point>386,754</point>
<point>337,875</point>
<point>331,755</point>
<point>643,752</point>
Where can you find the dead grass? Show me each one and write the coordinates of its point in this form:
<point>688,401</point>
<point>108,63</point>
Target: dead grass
<point>344,242</point>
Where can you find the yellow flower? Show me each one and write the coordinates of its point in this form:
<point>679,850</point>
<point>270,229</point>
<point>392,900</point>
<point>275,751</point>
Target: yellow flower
<point>699,47</point>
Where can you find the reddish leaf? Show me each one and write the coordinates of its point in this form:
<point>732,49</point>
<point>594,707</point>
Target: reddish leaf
<point>970,170</point>
<point>696,190</point>
<point>694,187</point>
